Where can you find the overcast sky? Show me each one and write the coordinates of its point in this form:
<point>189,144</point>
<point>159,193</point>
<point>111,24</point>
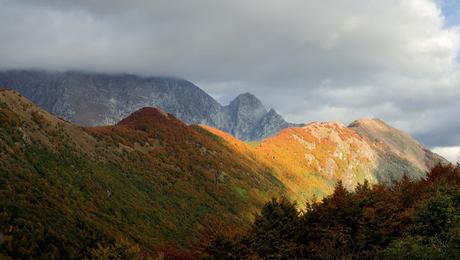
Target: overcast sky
<point>310,60</point>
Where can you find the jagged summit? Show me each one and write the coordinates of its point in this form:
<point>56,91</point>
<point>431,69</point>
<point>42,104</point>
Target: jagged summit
<point>94,99</point>
<point>247,105</point>
<point>249,120</point>
<point>272,111</point>
<point>246,96</point>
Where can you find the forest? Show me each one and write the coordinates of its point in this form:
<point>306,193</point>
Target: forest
<point>405,220</point>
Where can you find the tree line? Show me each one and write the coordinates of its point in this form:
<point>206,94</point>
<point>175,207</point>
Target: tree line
<point>405,220</point>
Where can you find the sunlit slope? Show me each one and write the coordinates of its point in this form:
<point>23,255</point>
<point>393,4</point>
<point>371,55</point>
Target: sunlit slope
<point>309,160</point>
<point>149,181</point>
<point>318,155</point>
<point>298,187</point>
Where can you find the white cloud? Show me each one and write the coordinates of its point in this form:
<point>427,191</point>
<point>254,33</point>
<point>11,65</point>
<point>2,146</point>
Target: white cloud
<point>450,153</point>
<point>310,60</point>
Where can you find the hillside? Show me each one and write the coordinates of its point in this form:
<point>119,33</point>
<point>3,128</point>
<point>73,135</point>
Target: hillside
<point>398,153</point>
<point>147,183</point>
<point>310,160</point>
<point>409,220</point>
<point>93,99</point>
<point>153,184</point>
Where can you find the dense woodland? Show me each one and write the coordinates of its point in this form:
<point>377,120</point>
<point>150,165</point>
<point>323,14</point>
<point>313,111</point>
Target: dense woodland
<point>407,220</point>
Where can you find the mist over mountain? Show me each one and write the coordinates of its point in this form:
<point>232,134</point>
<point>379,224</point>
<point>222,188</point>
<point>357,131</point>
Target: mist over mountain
<point>91,99</point>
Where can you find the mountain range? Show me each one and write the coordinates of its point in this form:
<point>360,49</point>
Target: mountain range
<point>91,99</point>
<point>310,160</point>
<point>151,183</point>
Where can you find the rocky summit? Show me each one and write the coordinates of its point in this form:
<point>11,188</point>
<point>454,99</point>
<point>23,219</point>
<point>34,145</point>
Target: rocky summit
<point>91,99</point>
<point>311,159</point>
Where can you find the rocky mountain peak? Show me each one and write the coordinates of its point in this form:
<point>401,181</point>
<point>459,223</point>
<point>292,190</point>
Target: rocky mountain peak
<point>94,99</point>
<point>247,102</point>
<point>272,112</point>
<point>246,96</point>
<point>250,120</point>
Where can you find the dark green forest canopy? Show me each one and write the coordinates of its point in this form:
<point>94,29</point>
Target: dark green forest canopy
<point>408,220</point>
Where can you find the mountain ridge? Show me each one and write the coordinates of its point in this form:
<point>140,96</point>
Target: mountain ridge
<point>154,184</point>
<point>91,99</point>
<point>392,143</point>
<point>312,158</point>
<point>147,183</point>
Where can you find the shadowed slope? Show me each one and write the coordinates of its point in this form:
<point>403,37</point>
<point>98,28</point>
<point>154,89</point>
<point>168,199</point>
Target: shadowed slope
<point>399,154</point>
<point>68,191</point>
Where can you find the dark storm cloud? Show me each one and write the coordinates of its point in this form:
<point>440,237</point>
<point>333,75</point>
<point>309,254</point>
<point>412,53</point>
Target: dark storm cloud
<point>310,60</point>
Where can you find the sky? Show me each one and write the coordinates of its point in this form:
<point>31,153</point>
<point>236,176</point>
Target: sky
<point>328,60</point>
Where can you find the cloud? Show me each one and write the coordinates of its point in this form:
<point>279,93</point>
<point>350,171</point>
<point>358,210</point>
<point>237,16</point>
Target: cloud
<point>450,153</point>
<point>310,60</point>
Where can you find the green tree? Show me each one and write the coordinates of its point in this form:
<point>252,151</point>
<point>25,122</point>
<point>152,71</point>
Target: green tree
<point>276,230</point>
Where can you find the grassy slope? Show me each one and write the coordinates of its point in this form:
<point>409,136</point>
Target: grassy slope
<point>309,160</point>
<point>147,182</point>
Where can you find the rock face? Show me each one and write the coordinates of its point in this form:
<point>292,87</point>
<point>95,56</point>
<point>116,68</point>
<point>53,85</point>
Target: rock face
<point>248,119</point>
<point>398,153</point>
<point>318,155</point>
<point>310,160</point>
<point>100,99</point>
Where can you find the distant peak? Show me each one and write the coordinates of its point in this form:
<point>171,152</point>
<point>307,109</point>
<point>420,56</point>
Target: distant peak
<point>272,111</point>
<point>247,97</point>
<point>273,114</point>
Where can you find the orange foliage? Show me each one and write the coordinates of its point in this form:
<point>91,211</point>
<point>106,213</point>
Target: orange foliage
<point>306,159</point>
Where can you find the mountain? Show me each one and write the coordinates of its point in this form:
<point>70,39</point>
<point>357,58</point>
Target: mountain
<point>91,99</point>
<point>148,183</point>
<point>398,153</point>
<point>310,160</point>
<point>153,186</point>
<point>248,119</point>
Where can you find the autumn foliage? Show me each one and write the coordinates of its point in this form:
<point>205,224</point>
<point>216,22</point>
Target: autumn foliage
<point>149,186</point>
<point>152,186</point>
<point>408,220</point>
